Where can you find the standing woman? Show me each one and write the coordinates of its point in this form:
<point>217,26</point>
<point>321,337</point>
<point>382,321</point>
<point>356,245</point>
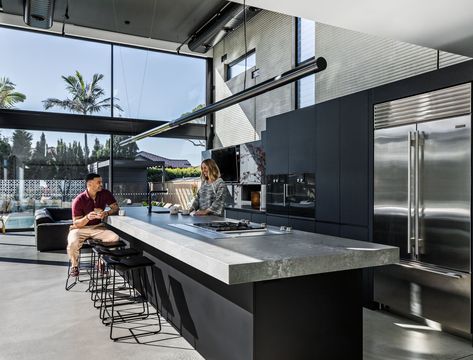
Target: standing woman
<point>212,195</point>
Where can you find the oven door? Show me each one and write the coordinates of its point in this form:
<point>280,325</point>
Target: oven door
<point>276,195</point>
<point>301,195</point>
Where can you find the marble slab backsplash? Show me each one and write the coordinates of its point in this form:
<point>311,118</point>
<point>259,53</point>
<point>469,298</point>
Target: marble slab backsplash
<point>252,163</point>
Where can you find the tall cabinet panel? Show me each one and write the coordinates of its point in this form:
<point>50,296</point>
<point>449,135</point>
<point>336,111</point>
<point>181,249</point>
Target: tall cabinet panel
<point>277,145</point>
<point>354,173</point>
<point>327,173</point>
<point>302,141</point>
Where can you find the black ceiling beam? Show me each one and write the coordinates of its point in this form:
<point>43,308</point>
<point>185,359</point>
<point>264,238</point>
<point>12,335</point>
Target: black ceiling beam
<point>46,121</point>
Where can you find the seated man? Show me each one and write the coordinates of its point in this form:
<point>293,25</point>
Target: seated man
<point>87,215</point>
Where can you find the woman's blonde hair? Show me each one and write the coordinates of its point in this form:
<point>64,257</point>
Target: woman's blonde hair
<point>214,171</point>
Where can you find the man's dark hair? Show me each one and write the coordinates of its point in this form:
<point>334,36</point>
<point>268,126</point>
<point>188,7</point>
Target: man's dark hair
<point>91,176</point>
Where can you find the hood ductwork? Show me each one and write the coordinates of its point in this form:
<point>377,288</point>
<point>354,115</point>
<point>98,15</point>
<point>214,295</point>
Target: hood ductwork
<point>225,21</point>
<point>39,13</point>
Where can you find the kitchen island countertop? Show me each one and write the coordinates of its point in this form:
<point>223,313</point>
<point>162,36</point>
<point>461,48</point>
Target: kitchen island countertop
<point>251,258</point>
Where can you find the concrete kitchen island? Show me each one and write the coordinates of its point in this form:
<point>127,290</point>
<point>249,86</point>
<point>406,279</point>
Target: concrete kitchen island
<point>278,296</point>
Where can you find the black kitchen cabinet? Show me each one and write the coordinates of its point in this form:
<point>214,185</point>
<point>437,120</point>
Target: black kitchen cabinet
<point>277,145</point>
<point>354,173</point>
<point>327,173</point>
<point>276,220</point>
<point>327,228</point>
<point>302,224</point>
<point>258,217</point>
<point>354,232</point>
<point>290,142</point>
<point>302,135</point>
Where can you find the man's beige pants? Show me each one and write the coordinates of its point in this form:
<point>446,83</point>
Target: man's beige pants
<point>76,239</point>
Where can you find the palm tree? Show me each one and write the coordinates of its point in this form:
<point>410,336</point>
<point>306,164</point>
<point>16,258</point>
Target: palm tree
<point>86,98</point>
<point>8,95</point>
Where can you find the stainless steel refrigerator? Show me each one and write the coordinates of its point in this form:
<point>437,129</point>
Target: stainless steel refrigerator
<point>422,201</point>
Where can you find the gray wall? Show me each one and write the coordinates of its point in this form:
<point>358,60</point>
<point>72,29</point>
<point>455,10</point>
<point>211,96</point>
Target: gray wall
<point>359,61</point>
<point>272,35</point>
<point>356,62</point>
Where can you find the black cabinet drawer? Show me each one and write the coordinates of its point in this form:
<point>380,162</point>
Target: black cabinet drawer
<point>327,228</point>
<point>258,218</point>
<point>354,232</point>
<point>275,220</point>
<point>302,224</point>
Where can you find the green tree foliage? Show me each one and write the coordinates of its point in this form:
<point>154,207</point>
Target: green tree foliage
<point>21,147</point>
<point>39,167</point>
<point>69,161</point>
<point>5,148</point>
<point>99,152</point>
<point>102,152</point>
<point>8,96</point>
<point>86,98</point>
<point>154,174</point>
<point>127,152</point>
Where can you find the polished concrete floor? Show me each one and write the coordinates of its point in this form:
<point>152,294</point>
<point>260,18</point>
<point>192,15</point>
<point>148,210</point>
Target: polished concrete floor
<point>39,320</point>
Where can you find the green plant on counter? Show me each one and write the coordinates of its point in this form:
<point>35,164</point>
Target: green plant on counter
<point>154,203</point>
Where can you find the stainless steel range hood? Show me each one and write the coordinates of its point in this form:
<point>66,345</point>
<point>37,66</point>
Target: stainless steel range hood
<point>311,67</point>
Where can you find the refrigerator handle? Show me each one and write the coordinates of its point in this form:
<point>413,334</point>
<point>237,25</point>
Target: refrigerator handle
<point>409,207</point>
<point>449,274</point>
<point>416,196</point>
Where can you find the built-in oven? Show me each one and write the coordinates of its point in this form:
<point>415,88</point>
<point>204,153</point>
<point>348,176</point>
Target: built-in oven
<point>301,195</point>
<point>292,194</point>
<point>276,194</point>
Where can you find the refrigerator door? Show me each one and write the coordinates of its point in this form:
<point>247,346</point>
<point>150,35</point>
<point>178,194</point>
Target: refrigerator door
<point>393,187</point>
<point>445,193</point>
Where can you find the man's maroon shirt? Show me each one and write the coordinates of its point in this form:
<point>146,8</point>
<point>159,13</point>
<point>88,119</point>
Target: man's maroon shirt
<point>84,204</point>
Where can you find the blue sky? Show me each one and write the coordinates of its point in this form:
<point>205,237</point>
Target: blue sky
<point>149,85</point>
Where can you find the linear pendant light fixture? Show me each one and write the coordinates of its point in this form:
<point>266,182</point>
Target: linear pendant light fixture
<point>310,67</point>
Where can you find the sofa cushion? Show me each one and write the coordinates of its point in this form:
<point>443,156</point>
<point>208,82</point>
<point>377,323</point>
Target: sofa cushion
<point>60,213</point>
<point>43,216</point>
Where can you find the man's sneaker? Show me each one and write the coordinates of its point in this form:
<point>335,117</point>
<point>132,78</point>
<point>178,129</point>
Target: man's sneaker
<point>74,271</point>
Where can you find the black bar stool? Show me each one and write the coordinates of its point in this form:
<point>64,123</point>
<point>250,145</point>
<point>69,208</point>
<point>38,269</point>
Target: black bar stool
<point>134,272</point>
<point>85,258</point>
<point>99,251</point>
<point>95,259</point>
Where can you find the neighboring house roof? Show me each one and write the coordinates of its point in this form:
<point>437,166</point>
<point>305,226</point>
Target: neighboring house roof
<point>173,163</point>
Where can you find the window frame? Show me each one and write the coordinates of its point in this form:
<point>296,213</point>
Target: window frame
<point>236,61</point>
<point>297,54</point>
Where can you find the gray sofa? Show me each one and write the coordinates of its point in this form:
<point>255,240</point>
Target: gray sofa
<point>51,228</point>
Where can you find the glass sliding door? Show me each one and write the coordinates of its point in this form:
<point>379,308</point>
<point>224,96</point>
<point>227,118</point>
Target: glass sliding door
<point>43,169</point>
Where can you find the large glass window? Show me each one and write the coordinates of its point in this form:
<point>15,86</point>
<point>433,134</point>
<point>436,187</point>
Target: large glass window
<point>58,74</point>
<point>137,168</point>
<point>305,50</point>
<point>157,86</point>
<point>51,71</point>
<point>43,169</point>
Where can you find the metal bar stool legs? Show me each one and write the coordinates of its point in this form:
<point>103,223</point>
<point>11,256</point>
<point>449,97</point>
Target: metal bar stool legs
<point>135,270</point>
<point>84,257</point>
